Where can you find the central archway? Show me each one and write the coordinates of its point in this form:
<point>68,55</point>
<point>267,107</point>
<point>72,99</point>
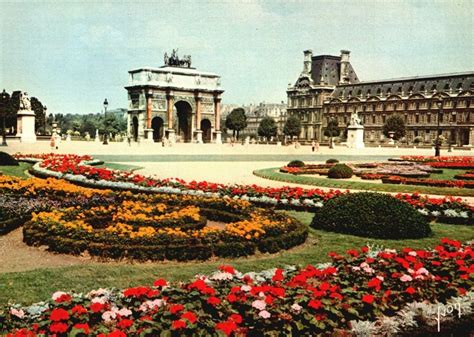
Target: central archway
<point>184,112</point>
<point>157,126</point>
<point>206,130</point>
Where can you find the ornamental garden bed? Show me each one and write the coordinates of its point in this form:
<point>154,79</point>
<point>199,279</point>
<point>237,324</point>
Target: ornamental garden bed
<point>295,198</point>
<point>145,227</point>
<point>368,292</point>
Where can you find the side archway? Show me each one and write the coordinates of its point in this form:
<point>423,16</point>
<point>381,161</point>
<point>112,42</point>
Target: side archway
<point>135,128</point>
<point>206,128</point>
<point>157,126</point>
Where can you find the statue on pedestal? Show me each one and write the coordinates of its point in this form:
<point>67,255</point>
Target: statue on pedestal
<point>355,120</point>
<point>25,103</point>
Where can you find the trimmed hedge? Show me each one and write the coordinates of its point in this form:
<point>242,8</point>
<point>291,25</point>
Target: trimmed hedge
<point>371,215</point>
<point>7,160</point>
<point>9,225</point>
<point>340,171</point>
<point>296,163</point>
<point>332,161</point>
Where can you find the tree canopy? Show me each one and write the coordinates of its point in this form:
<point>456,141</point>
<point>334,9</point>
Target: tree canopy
<point>396,124</point>
<point>236,121</point>
<point>267,128</point>
<point>292,126</point>
<point>331,131</point>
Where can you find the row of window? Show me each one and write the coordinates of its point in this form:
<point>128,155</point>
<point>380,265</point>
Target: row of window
<point>399,90</point>
<point>466,117</point>
<point>396,106</point>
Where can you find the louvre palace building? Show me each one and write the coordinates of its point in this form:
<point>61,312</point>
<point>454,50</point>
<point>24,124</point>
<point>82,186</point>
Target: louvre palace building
<point>329,88</point>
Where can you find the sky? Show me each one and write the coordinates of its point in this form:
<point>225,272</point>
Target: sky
<point>74,54</point>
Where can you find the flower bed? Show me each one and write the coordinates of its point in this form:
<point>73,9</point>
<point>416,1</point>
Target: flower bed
<point>469,175</point>
<point>283,197</point>
<point>452,162</point>
<point>153,227</point>
<point>428,182</point>
<point>369,292</point>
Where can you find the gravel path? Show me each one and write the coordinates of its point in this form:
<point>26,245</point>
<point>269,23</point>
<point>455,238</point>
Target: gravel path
<point>17,256</point>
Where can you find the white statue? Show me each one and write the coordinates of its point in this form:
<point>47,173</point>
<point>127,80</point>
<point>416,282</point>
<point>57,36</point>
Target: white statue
<point>25,103</point>
<point>355,120</point>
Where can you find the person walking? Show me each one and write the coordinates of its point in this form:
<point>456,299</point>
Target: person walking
<point>313,145</point>
<point>317,146</point>
<point>52,143</point>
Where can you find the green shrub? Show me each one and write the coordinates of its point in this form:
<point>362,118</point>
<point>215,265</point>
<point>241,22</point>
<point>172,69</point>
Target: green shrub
<point>332,161</point>
<point>372,215</point>
<point>295,163</point>
<point>7,160</point>
<point>340,171</point>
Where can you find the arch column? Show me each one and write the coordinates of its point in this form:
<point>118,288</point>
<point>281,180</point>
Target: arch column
<point>217,122</point>
<point>169,112</point>
<point>197,124</point>
<point>149,107</point>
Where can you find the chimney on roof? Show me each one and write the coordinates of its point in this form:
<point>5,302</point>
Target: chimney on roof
<point>344,70</point>
<point>307,61</point>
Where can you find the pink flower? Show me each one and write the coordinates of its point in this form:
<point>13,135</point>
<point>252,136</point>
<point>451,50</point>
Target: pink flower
<point>405,278</point>
<point>109,315</point>
<point>259,304</point>
<point>18,313</point>
<point>264,314</point>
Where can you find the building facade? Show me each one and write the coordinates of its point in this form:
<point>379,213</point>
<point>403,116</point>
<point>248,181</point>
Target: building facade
<point>277,111</point>
<point>174,101</point>
<point>328,88</point>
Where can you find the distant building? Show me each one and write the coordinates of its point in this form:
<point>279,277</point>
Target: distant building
<point>256,112</point>
<point>328,88</point>
<point>277,111</point>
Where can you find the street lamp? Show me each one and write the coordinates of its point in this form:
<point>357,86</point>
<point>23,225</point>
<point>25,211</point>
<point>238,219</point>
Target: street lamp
<point>451,131</point>
<point>106,104</point>
<point>439,103</point>
<point>4,98</point>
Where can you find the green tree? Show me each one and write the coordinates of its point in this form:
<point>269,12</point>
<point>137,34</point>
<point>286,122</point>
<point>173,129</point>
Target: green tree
<point>236,121</point>
<point>292,126</point>
<point>40,117</point>
<point>267,128</point>
<point>396,124</point>
<point>332,130</point>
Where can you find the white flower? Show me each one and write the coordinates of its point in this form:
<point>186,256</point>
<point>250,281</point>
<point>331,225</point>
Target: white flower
<point>246,288</point>
<point>124,312</point>
<point>412,253</point>
<point>221,276</point>
<point>109,315</point>
<point>264,314</point>
<point>296,307</point>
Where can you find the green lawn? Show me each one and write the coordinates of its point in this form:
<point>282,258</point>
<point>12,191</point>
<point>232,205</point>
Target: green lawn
<point>448,174</point>
<point>121,167</point>
<point>17,171</point>
<point>274,174</point>
<point>37,285</point>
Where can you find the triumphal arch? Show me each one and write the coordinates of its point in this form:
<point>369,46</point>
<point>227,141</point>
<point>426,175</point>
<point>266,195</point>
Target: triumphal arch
<point>175,101</point>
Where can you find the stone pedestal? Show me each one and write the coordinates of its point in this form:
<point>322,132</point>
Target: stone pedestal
<point>97,137</point>
<point>149,135</point>
<point>26,126</point>
<point>355,137</point>
<point>171,136</point>
<point>217,137</point>
<point>198,136</point>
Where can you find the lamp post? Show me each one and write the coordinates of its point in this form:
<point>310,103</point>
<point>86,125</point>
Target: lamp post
<point>439,104</point>
<point>451,131</point>
<point>4,98</point>
<point>45,110</point>
<point>106,104</point>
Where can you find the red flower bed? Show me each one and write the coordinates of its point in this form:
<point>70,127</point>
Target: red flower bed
<point>428,182</point>
<point>70,164</point>
<point>371,176</point>
<point>440,159</point>
<point>361,286</point>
